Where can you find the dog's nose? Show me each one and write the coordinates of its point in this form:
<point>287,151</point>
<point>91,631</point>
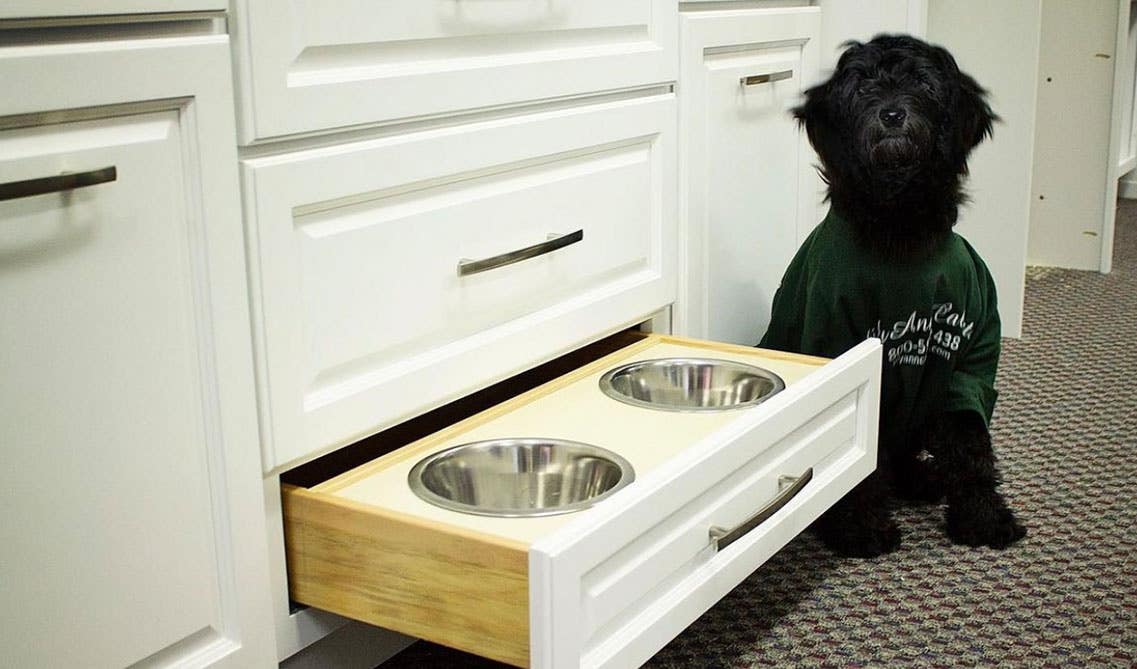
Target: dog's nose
<point>892,118</point>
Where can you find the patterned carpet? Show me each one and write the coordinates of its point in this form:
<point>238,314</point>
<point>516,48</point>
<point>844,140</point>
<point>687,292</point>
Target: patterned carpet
<point>1065,429</point>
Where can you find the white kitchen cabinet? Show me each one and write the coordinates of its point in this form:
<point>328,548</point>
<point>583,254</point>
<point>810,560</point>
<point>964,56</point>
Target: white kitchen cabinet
<point>861,20</point>
<point>609,585</point>
<point>307,66</point>
<point>749,192</point>
<point>134,524</point>
<point>41,9</point>
<point>362,306</point>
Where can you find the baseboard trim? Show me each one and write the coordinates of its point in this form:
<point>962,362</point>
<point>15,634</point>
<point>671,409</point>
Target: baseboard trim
<point>353,646</point>
<point>1127,189</point>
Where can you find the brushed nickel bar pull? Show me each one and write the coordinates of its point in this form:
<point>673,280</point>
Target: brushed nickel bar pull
<point>467,267</point>
<point>722,537</point>
<point>57,183</point>
<point>765,78</point>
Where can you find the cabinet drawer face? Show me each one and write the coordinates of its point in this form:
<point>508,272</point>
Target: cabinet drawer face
<point>17,9</point>
<point>363,299</point>
<point>310,66</point>
<point>609,585</point>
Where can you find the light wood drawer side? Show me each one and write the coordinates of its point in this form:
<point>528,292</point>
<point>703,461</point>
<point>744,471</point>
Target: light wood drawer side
<point>440,584</point>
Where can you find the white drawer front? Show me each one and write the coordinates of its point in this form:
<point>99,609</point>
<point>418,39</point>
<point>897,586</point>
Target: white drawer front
<point>362,305</point>
<point>308,66</point>
<point>17,9</point>
<point>614,591</point>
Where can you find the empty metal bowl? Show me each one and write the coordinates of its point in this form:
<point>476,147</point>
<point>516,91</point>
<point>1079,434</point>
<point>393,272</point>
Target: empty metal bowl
<point>690,384</point>
<point>519,477</point>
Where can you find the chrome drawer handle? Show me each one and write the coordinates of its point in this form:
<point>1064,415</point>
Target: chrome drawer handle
<point>467,267</point>
<point>57,183</point>
<point>789,486</point>
<point>765,78</point>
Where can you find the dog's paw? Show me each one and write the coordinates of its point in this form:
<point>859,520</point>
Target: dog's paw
<point>983,520</point>
<point>861,540</point>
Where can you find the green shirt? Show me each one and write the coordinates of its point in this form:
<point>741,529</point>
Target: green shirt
<point>936,318</point>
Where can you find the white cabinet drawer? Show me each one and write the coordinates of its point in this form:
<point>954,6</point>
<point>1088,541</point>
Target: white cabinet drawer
<point>355,250</point>
<point>308,66</point>
<point>19,9</point>
<point>610,585</point>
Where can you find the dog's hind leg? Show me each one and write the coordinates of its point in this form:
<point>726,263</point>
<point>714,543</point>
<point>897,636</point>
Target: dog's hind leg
<point>860,524</point>
<point>914,477</point>
<point>977,515</point>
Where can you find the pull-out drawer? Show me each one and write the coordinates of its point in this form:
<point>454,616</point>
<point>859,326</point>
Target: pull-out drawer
<point>375,262</point>
<point>609,585</point>
<point>310,66</point>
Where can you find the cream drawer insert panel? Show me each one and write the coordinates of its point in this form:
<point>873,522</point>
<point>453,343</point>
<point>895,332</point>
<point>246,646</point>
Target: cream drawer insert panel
<point>363,308</point>
<point>317,65</point>
<point>576,411</point>
<point>610,585</point>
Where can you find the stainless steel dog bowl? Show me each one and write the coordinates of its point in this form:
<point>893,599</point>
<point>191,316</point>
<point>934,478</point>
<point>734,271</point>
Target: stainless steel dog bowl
<point>519,477</point>
<point>690,384</point>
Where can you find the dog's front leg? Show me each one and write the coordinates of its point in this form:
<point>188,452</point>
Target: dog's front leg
<point>860,524</point>
<point>977,515</point>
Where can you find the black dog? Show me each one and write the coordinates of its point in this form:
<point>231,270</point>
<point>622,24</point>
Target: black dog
<point>893,128</point>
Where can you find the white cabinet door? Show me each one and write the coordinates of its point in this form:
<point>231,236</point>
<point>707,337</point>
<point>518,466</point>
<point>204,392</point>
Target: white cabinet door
<point>134,526</point>
<point>307,66</point>
<point>748,189</point>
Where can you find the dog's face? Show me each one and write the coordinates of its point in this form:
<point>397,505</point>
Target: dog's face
<point>894,108</point>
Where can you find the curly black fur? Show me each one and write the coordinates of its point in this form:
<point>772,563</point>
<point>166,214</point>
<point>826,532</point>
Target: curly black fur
<point>893,128</point>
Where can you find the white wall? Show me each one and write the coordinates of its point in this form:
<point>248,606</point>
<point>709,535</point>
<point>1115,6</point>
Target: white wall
<point>998,44</point>
<point>1071,209</point>
<point>843,20</point>
<point>1127,141</point>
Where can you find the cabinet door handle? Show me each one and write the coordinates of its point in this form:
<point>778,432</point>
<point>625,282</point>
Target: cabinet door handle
<point>765,78</point>
<point>790,486</point>
<point>57,183</point>
<point>467,267</point>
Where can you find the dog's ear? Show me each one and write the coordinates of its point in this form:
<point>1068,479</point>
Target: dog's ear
<point>814,110</point>
<point>813,107</point>
<point>974,118</point>
<point>813,115</point>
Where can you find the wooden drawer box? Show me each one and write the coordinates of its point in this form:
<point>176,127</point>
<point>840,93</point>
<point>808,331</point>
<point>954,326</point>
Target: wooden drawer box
<point>355,252</point>
<point>308,66</point>
<point>610,585</point>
